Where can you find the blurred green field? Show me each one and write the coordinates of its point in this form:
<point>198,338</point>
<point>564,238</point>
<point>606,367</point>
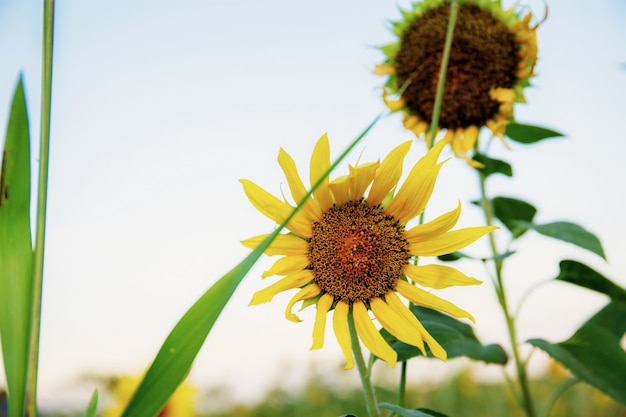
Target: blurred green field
<point>460,395</point>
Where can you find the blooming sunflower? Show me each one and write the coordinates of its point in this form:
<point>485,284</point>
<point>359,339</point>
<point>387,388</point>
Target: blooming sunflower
<point>352,253</point>
<point>180,404</point>
<point>492,59</point>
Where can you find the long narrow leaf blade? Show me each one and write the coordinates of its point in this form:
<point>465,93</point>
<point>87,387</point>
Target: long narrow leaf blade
<point>16,254</point>
<point>174,359</point>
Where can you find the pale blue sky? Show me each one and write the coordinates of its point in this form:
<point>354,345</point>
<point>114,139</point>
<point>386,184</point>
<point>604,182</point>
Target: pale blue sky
<point>158,111</point>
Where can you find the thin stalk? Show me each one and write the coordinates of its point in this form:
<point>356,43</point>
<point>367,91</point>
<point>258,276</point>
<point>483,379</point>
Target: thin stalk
<point>520,366</point>
<point>42,198</point>
<point>364,373</point>
<point>443,70</point>
<point>545,412</point>
<point>402,387</point>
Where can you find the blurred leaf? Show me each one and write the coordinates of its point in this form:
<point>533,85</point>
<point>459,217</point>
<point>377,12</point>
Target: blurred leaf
<point>570,233</point>
<point>492,166</point>
<point>510,211</point>
<point>422,412</point>
<point>456,337</point>
<point>451,257</point>
<point>16,253</point>
<point>579,274</point>
<point>455,256</point>
<point>529,134</point>
<point>594,353</point>
<point>93,404</point>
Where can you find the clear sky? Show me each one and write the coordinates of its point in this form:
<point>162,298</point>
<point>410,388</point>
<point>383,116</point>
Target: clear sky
<point>160,107</point>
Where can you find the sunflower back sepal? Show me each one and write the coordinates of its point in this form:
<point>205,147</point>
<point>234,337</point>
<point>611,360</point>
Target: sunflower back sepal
<point>457,338</point>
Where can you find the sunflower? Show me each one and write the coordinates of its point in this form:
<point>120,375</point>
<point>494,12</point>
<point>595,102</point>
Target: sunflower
<point>351,253</point>
<point>492,59</point>
<point>180,404</point>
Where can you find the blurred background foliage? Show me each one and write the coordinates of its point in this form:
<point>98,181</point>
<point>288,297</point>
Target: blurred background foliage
<point>459,395</point>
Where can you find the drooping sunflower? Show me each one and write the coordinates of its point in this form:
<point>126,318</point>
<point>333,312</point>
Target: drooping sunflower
<point>351,253</point>
<point>181,404</point>
<point>492,59</point>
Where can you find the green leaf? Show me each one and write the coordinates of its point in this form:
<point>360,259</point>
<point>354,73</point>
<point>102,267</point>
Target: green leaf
<point>405,412</point>
<point>456,337</point>
<point>579,274</point>
<point>175,357</point>
<point>569,232</point>
<point>529,134</point>
<point>492,166</point>
<point>510,211</point>
<point>93,404</point>
<point>16,253</point>
<point>594,353</point>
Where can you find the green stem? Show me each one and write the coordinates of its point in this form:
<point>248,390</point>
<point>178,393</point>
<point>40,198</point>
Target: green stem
<point>520,366</point>
<point>443,70</point>
<point>545,412</point>
<point>402,387</point>
<point>364,373</point>
<point>46,95</point>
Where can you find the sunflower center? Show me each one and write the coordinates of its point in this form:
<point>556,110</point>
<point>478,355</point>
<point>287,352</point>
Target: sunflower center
<point>484,55</point>
<point>357,252</point>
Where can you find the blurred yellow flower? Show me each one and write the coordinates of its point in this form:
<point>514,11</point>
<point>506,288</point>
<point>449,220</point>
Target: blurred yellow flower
<point>181,403</point>
<point>492,59</point>
<point>351,253</point>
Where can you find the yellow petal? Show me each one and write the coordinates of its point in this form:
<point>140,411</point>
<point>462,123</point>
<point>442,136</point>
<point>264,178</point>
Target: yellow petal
<point>340,187</point>
<point>288,265</point>
<point>438,276</point>
<point>296,280</point>
<point>433,228</point>
<point>320,163</point>
<point>310,291</point>
<point>370,336</point>
<point>426,299</point>
<point>470,136</point>
<point>281,245</point>
<point>409,122</point>
<point>420,128</point>
<point>388,174</point>
<point>436,349</point>
<point>298,190</point>
<point>502,95</point>
<point>342,332</point>
<point>450,137</point>
<point>384,69</point>
<point>276,209</point>
<point>449,242</point>
<point>393,105</point>
<point>323,305</point>
<point>360,178</point>
<point>417,188</point>
<point>396,324</point>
